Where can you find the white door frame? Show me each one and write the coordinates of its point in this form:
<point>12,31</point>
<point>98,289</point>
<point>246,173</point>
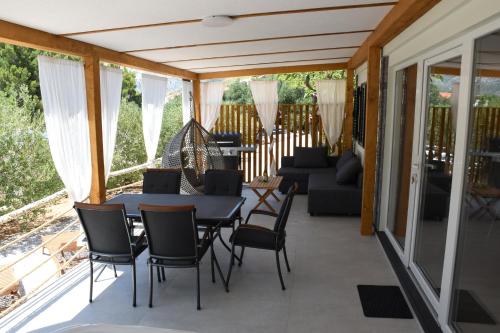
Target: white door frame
<point>465,43</point>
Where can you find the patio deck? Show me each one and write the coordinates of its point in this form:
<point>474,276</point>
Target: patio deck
<point>327,257</point>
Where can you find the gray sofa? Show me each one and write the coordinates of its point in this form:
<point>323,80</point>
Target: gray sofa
<point>316,175</point>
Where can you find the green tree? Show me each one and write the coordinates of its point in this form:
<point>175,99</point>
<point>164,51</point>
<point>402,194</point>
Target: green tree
<point>129,87</point>
<point>27,172</point>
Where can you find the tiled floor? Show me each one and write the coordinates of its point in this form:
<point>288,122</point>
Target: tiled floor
<point>328,258</point>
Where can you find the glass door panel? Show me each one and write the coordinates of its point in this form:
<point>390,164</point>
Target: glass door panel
<point>443,81</point>
<point>476,292</point>
<point>404,115</point>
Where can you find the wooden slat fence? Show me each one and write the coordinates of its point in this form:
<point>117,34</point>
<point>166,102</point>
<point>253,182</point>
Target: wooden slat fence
<point>296,125</point>
<point>486,126</point>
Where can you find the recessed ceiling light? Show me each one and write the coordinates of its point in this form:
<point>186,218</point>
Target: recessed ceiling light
<point>217,21</point>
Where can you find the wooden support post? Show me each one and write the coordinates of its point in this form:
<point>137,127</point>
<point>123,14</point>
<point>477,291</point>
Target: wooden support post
<point>197,100</point>
<point>93,90</point>
<point>371,123</point>
<point>349,108</point>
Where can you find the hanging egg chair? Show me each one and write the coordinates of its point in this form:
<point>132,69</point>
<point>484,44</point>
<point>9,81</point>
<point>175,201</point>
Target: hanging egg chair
<point>194,151</point>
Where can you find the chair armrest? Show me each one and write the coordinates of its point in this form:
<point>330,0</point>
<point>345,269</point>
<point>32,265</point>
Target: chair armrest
<point>287,161</point>
<point>260,212</point>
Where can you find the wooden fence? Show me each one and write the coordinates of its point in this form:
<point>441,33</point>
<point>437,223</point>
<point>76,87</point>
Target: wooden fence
<point>297,125</point>
<point>485,126</point>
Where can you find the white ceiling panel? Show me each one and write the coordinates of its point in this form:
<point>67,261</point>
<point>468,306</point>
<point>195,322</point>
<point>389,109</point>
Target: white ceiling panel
<point>279,45</point>
<point>63,16</point>
<point>296,63</point>
<point>244,29</point>
<point>297,56</point>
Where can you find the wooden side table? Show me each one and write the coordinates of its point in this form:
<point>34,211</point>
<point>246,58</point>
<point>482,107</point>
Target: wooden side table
<point>269,187</point>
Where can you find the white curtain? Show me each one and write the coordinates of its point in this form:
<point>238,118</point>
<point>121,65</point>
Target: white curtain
<point>111,90</point>
<point>265,97</point>
<point>62,83</point>
<point>211,100</point>
<point>455,91</point>
<point>187,101</point>
<point>331,103</point>
<point>154,94</point>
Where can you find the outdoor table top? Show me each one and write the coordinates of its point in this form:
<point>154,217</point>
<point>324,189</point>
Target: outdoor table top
<point>210,208</point>
<point>272,184</point>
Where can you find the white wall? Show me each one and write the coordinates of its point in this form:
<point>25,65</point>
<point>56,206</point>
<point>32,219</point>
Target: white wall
<point>447,20</point>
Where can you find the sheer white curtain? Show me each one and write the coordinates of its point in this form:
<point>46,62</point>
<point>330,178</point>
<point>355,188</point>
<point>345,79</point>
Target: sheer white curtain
<point>111,90</point>
<point>265,97</point>
<point>211,100</point>
<point>331,103</point>
<point>62,83</point>
<point>154,94</point>
<point>187,101</point>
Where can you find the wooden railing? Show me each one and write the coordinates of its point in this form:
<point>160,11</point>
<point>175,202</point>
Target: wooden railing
<point>485,126</point>
<point>296,125</point>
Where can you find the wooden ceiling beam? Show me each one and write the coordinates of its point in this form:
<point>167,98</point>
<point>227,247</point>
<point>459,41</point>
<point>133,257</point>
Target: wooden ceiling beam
<point>16,34</point>
<point>248,41</point>
<point>401,16</point>
<point>272,70</point>
<point>262,54</point>
<point>236,17</point>
<point>272,62</point>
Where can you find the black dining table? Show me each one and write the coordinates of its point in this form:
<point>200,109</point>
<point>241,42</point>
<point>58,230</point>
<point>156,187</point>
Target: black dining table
<point>211,211</point>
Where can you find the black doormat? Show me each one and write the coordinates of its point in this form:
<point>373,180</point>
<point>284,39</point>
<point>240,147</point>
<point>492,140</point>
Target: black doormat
<point>383,302</point>
<point>469,310</point>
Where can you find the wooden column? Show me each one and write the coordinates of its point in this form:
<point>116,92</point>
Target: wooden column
<point>349,108</point>
<point>371,123</point>
<point>93,90</point>
<point>197,100</point>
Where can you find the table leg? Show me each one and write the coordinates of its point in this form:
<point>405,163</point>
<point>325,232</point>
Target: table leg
<point>262,199</point>
<point>275,197</point>
<point>214,259</point>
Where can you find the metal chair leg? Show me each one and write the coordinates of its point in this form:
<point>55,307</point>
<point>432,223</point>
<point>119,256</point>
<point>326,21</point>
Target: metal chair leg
<point>241,255</point>
<point>279,269</point>
<point>133,284</point>
<point>227,246</point>
<point>150,285</point>
<point>212,253</point>
<point>114,268</point>
<point>91,279</point>
<point>163,273</point>
<point>100,272</point>
<point>198,286</point>
<point>158,273</point>
<point>231,264</point>
<point>286,259</point>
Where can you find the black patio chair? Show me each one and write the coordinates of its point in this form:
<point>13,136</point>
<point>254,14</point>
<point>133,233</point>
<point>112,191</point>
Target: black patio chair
<point>162,181</point>
<point>172,234</point>
<point>225,182</point>
<point>255,236</point>
<point>109,239</point>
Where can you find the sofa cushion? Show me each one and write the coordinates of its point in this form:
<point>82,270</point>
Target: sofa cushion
<point>310,157</point>
<point>348,172</point>
<point>346,156</point>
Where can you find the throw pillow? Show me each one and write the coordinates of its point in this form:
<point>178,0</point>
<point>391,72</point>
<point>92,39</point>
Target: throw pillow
<point>310,157</point>
<point>344,158</point>
<point>348,173</point>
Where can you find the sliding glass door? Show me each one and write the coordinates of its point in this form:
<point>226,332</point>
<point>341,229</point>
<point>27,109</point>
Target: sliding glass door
<point>436,162</point>
<point>403,123</point>
<point>476,290</point>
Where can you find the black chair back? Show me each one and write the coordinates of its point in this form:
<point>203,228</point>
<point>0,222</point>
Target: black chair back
<point>223,182</point>
<point>106,228</point>
<point>162,181</point>
<point>171,231</point>
<point>282,219</point>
